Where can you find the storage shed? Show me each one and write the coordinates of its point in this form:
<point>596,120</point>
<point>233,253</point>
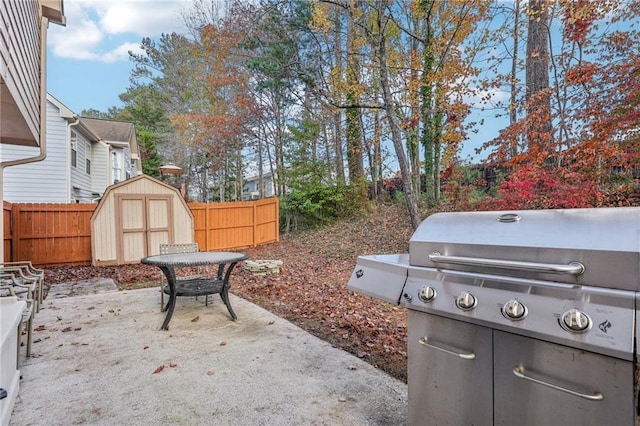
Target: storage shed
<point>134,217</point>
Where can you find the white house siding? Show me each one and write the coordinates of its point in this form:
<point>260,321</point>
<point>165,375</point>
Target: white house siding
<point>99,172</point>
<point>44,181</point>
<point>80,180</point>
<point>252,188</point>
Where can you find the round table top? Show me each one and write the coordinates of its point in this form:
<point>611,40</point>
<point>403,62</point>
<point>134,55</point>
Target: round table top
<point>194,258</point>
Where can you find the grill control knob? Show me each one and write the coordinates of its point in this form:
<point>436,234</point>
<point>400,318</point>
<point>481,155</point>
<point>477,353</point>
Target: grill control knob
<point>466,301</point>
<point>514,310</point>
<point>427,294</point>
<point>576,321</point>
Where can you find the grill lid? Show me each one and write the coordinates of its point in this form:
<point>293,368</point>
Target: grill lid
<point>598,247</point>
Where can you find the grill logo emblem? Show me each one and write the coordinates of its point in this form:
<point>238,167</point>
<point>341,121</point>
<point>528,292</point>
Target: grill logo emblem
<point>360,273</point>
<point>605,325</point>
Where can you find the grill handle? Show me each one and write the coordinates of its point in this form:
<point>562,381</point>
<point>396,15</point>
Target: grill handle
<point>573,268</point>
<point>451,351</point>
<point>519,372</point>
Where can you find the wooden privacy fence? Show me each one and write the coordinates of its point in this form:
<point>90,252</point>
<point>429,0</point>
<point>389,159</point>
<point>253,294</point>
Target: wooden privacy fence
<point>219,226</point>
<point>60,234</point>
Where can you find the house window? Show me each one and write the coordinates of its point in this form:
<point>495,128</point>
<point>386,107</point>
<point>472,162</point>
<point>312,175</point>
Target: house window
<point>74,149</point>
<point>88,159</point>
<point>116,166</point>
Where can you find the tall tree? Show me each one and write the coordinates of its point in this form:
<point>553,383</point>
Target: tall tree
<point>537,79</point>
<point>353,111</point>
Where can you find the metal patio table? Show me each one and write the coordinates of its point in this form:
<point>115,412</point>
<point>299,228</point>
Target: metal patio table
<point>167,263</point>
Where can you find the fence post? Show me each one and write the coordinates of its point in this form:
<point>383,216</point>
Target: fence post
<point>15,237</point>
<point>255,223</point>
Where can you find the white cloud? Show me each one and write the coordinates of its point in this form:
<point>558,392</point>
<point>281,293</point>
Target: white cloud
<point>488,97</point>
<point>105,30</point>
<point>121,53</point>
<point>144,18</point>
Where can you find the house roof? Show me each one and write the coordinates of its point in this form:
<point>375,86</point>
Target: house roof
<point>109,130</point>
<point>54,11</point>
<point>64,111</point>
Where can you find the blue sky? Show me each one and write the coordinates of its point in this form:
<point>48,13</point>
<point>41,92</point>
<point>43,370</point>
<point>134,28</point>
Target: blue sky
<point>88,61</point>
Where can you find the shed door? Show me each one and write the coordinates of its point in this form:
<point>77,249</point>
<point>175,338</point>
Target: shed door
<point>144,222</point>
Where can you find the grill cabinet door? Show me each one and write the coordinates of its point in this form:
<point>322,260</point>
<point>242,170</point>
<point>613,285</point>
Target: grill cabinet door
<point>523,402</point>
<point>447,387</point>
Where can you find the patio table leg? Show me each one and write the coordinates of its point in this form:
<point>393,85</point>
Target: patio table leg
<point>224,294</point>
<point>170,274</point>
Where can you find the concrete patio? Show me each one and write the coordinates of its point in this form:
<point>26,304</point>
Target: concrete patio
<point>100,359</point>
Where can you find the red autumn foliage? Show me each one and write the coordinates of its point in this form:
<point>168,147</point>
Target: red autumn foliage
<point>539,188</point>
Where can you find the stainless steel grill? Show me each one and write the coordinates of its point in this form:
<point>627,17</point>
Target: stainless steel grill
<point>524,315</point>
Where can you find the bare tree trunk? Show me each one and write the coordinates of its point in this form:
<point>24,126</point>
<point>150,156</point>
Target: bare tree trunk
<point>537,77</point>
<point>513,118</point>
<point>380,47</point>
<point>376,167</point>
<point>279,149</point>
<point>337,118</point>
<point>239,178</point>
<point>413,142</point>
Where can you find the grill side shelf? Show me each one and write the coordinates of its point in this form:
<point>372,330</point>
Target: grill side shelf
<point>380,276</point>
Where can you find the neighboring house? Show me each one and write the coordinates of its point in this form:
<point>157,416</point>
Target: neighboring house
<point>123,159</point>
<point>84,157</point>
<point>251,189</point>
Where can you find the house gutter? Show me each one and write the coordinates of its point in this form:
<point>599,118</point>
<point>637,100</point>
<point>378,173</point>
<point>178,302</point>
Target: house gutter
<point>43,105</point>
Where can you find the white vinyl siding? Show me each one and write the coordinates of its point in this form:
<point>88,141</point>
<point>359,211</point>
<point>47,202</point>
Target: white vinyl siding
<point>54,180</point>
<point>99,172</point>
<point>80,180</point>
<point>44,181</point>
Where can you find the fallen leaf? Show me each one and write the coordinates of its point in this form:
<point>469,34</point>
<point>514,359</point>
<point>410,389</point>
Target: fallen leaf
<point>64,330</point>
<point>196,319</point>
<point>159,369</point>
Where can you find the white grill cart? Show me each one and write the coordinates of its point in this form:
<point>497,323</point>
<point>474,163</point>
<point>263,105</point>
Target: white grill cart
<point>11,310</point>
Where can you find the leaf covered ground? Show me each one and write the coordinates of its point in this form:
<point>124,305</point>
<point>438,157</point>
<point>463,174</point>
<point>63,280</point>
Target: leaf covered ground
<point>311,288</point>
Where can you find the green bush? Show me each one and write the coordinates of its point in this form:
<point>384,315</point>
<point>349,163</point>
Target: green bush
<point>316,205</point>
